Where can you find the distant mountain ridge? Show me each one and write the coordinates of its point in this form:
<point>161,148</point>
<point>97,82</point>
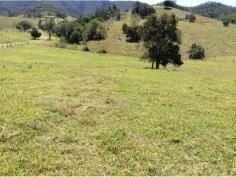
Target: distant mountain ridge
<point>73,8</point>
<point>214,10</point>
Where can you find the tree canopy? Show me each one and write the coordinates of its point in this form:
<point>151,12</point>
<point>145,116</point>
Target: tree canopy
<point>161,40</point>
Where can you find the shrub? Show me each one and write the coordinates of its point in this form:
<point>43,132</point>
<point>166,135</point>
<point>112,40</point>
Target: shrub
<point>196,52</point>
<point>192,18</point>
<point>124,28</point>
<point>103,51</point>
<point>226,23</point>
<point>60,45</point>
<point>35,33</point>
<point>95,30</point>
<point>143,9</point>
<point>86,49</point>
<point>132,34</point>
<point>23,25</point>
<point>168,4</point>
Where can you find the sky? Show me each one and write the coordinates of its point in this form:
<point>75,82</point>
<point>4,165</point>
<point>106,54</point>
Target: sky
<point>193,2</point>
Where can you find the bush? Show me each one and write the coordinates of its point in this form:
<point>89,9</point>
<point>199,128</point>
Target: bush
<point>86,49</point>
<point>168,4</point>
<point>143,9</point>
<point>196,52</point>
<point>35,33</point>
<point>226,23</point>
<point>132,34</point>
<point>95,30</point>
<point>124,28</point>
<point>23,25</point>
<point>60,45</point>
<point>103,51</point>
<point>192,18</point>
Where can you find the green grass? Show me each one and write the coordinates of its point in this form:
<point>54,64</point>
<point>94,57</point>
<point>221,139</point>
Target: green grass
<point>10,22</point>
<point>13,35</point>
<point>65,112</point>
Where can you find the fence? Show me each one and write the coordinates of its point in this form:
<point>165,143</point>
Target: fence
<point>7,43</point>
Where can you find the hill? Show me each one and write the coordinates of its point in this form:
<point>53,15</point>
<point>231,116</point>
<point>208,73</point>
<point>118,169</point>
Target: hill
<point>216,10</point>
<point>211,34</point>
<point>73,8</point>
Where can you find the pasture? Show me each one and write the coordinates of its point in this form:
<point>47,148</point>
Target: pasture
<point>67,112</point>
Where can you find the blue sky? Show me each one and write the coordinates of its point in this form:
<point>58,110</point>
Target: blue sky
<point>193,2</point>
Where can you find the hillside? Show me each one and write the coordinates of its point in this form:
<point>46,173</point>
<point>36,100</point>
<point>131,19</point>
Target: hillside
<point>211,34</point>
<point>73,8</point>
<point>216,10</point>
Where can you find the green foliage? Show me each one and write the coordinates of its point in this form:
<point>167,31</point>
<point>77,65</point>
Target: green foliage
<point>196,52</point>
<point>143,9</point>
<point>79,31</point>
<point>73,8</point>
<point>124,28</point>
<point>24,25</point>
<point>60,44</point>
<point>35,33</point>
<point>216,10</point>
<point>110,13</point>
<point>47,24</point>
<point>132,33</point>
<point>95,30</point>
<point>103,51</point>
<point>191,18</point>
<point>161,40</point>
<point>86,49</point>
<point>226,23</point>
<point>169,4</point>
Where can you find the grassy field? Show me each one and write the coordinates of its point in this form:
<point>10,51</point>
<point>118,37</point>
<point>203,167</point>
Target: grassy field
<point>211,34</point>
<point>10,22</point>
<point>66,112</point>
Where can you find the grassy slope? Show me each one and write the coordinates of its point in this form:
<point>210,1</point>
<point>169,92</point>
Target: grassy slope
<point>216,39</point>
<point>9,22</point>
<point>66,112</point>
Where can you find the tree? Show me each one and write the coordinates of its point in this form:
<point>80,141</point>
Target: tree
<point>23,25</point>
<point>192,18</point>
<point>95,30</point>
<point>143,9</point>
<point>35,33</point>
<point>133,34</point>
<point>48,24</point>
<point>161,40</point>
<point>169,4</point>
<point>196,52</point>
<point>226,23</point>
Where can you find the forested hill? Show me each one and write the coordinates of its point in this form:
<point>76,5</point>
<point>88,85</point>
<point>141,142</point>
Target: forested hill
<point>216,10</point>
<point>73,8</point>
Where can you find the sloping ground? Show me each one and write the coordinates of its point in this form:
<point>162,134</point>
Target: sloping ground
<point>66,112</point>
<point>10,22</point>
<point>211,34</point>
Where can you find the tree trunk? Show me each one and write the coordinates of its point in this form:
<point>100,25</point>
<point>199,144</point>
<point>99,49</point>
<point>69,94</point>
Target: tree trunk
<point>153,61</point>
<point>157,64</point>
<point>50,35</point>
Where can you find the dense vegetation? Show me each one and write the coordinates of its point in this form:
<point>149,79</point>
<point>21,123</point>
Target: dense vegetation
<point>217,11</point>
<point>73,8</point>
<point>143,9</point>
